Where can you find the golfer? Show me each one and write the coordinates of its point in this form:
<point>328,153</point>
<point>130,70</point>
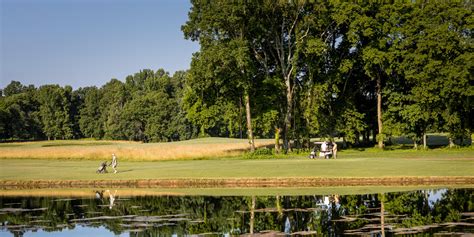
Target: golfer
<point>114,163</point>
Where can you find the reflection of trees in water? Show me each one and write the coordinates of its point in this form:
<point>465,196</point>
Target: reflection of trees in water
<point>198,214</point>
<point>449,208</point>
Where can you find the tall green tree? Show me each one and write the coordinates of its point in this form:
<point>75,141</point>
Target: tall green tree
<point>19,118</point>
<point>369,33</point>
<point>90,114</point>
<point>183,128</point>
<point>223,30</point>
<point>152,113</point>
<point>15,87</point>
<point>54,110</point>
<point>211,90</point>
<point>114,97</point>
<point>437,64</point>
<point>286,30</point>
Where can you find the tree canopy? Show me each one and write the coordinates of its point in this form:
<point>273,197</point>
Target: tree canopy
<point>298,69</point>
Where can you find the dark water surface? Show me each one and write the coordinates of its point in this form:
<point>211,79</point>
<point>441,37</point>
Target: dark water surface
<point>107,213</point>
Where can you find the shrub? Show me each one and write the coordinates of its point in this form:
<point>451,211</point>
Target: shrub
<point>259,153</point>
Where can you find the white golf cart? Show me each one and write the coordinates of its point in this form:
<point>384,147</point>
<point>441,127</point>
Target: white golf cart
<point>321,149</point>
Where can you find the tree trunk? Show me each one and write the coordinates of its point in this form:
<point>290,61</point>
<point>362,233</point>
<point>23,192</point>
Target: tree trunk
<point>249,122</point>
<point>379,111</point>
<point>382,215</point>
<point>278,206</point>
<point>288,145</point>
<point>424,141</point>
<point>356,142</point>
<point>277,140</point>
<point>252,214</point>
<point>240,117</point>
<point>415,144</point>
<point>289,111</point>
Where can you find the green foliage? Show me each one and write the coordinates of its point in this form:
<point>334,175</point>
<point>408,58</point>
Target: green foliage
<point>259,153</point>
<point>352,123</point>
<point>153,112</point>
<point>308,69</point>
<point>90,123</point>
<point>434,68</point>
<point>148,107</point>
<point>316,112</point>
<point>54,111</point>
<point>19,118</point>
<point>418,220</point>
<point>265,123</point>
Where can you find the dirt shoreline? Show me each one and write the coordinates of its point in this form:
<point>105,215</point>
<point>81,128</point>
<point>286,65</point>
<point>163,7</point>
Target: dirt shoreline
<point>240,182</point>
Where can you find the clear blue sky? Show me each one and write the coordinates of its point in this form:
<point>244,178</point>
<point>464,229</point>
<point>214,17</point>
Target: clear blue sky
<point>88,42</point>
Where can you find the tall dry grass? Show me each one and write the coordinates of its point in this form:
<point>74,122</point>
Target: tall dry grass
<point>102,150</point>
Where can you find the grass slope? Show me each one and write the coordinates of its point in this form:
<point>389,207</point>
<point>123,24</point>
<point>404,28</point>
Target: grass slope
<point>102,150</point>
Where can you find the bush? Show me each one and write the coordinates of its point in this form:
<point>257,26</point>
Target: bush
<point>259,153</point>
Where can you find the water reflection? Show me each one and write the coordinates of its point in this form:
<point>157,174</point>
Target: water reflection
<point>449,211</point>
<point>111,198</point>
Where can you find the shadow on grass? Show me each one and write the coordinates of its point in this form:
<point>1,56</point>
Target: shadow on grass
<point>398,147</point>
<point>243,150</point>
<point>78,144</point>
<point>124,171</point>
<point>10,145</point>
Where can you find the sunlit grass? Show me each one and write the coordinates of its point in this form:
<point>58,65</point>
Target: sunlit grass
<point>403,152</point>
<point>40,169</point>
<point>100,150</point>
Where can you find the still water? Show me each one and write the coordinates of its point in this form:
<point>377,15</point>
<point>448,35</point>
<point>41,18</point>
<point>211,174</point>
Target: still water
<point>108,213</point>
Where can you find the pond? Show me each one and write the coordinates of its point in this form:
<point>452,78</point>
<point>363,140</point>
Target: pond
<point>108,213</point>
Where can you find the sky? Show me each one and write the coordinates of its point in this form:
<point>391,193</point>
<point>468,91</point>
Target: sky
<point>88,42</point>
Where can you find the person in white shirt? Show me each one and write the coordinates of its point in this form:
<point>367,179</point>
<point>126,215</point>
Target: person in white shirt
<point>114,163</point>
<point>324,147</point>
<point>334,150</point>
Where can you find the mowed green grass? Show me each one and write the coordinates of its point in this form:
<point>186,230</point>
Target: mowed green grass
<point>31,169</point>
<point>406,152</point>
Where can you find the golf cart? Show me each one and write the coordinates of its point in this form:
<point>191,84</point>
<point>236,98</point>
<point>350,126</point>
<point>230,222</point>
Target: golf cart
<point>320,150</point>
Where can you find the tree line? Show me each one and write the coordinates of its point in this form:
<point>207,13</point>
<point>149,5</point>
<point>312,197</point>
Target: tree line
<point>287,70</point>
<point>146,107</point>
